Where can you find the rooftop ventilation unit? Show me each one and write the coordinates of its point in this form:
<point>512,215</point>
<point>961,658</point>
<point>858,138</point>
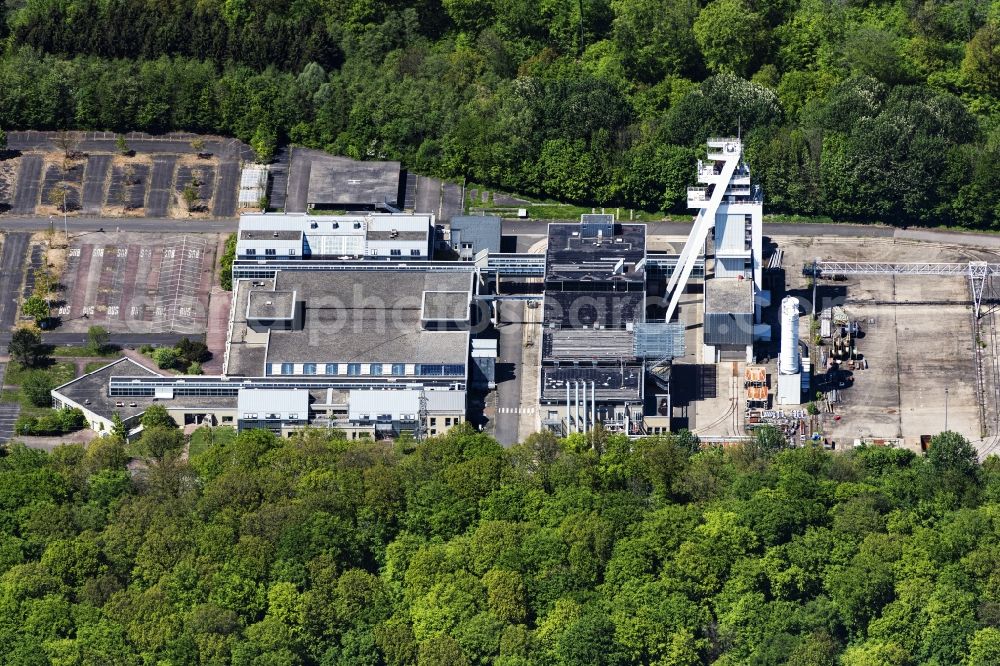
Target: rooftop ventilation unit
<point>336,225</point>
<point>275,234</point>
<point>357,225</point>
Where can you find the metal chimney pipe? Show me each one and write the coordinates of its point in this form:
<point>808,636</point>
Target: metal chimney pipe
<point>572,409</point>
<point>567,406</point>
<point>593,404</point>
<point>576,385</point>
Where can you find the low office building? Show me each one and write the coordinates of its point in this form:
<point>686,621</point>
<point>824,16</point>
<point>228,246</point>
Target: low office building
<point>280,404</point>
<point>376,236</point>
<point>471,234</point>
<point>114,389</point>
<point>278,410</point>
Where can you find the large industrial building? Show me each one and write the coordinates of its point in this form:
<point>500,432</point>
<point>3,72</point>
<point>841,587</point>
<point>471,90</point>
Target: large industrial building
<point>293,236</point>
<point>602,361</point>
<point>346,320</point>
<point>376,325</point>
<point>375,353</point>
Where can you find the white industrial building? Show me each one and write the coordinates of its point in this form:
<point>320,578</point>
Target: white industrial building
<point>378,236</point>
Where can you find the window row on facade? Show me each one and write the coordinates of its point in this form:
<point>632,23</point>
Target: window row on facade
<point>374,252</point>
<point>367,369</point>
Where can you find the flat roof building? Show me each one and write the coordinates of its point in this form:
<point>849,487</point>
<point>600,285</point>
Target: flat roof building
<point>378,236</point>
<point>346,184</point>
<point>729,314</point>
<point>471,234</point>
<point>371,352</point>
<point>356,324</point>
<point>273,409</point>
<point>594,294</point>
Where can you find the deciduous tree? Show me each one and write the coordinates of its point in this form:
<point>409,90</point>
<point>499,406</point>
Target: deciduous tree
<point>97,339</point>
<point>37,388</point>
<point>35,307</point>
<point>26,347</point>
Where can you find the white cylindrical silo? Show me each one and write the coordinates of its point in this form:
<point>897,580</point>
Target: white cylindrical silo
<point>788,362</point>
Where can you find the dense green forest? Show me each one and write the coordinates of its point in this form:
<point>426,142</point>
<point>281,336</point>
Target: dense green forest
<point>882,110</point>
<point>587,551</point>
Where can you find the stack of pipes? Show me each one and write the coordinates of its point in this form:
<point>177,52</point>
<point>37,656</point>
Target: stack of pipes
<point>580,417</point>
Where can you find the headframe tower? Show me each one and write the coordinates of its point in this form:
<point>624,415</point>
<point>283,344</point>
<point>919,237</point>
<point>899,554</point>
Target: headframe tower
<point>730,212</point>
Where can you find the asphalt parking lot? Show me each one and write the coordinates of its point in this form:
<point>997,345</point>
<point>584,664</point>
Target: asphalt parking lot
<point>226,196</point>
<point>94,179</point>
<point>12,260</point>
<point>26,191</point>
<point>100,185</point>
<point>161,180</point>
<point>138,283</point>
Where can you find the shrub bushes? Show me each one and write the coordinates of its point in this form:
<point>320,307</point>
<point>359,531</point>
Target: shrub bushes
<point>55,422</point>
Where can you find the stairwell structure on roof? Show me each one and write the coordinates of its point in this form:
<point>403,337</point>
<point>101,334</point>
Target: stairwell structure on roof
<point>730,211</point>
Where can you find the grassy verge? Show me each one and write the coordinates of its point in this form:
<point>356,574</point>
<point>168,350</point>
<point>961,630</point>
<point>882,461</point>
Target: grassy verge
<point>226,263</point>
<point>571,212</point>
<point>803,219</point>
<point>14,397</point>
<point>205,437</point>
<point>547,209</point>
<point>69,351</point>
<point>94,365</point>
<point>60,372</point>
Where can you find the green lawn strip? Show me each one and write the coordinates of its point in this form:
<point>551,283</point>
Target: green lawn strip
<point>12,396</point>
<point>205,437</point>
<point>94,365</point>
<point>60,372</point>
<point>69,351</point>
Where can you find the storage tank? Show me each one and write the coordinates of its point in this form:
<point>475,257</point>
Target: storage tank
<point>788,363</point>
